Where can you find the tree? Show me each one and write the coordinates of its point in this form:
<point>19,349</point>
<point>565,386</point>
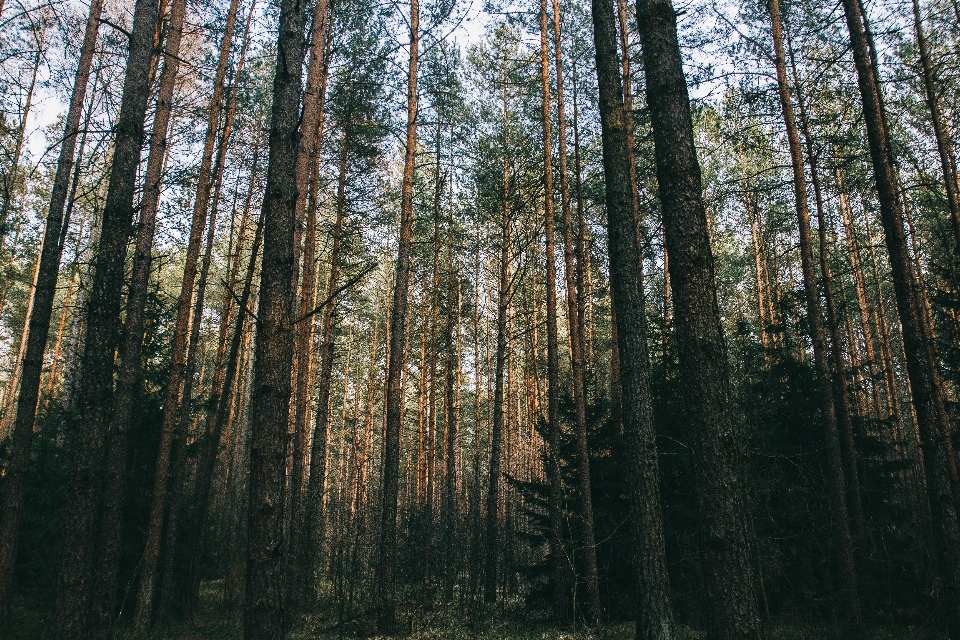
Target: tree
<point>727,552</point>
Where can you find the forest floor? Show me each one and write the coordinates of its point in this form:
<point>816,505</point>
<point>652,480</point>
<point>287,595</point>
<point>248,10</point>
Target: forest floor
<point>215,621</point>
<point>29,625</point>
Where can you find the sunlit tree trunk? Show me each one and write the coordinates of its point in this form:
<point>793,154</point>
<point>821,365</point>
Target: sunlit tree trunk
<point>386,618</point>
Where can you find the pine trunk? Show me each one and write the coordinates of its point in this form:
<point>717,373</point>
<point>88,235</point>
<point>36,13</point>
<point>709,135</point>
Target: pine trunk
<point>95,393</point>
<point>818,334</point>
<point>39,318</point>
<point>387,615</point>
<point>264,617</point>
<point>727,551</point>
<point>654,611</point>
<point>922,367</point>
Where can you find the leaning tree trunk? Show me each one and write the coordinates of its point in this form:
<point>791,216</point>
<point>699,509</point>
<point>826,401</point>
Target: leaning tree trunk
<point>386,596</point>
<point>654,611</point>
<point>39,320</point>
<point>95,396</point>
<point>944,146</point>
<point>218,413</point>
<point>923,370</point>
<point>818,333</point>
<point>181,336</point>
<point>270,400</point>
<point>728,555</point>
<point>128,377</point>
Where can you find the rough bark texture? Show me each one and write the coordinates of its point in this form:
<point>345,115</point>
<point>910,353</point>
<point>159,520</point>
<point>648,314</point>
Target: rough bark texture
<point>654,611</point>
<point>95,395</point>
<point>727,553</point>
<point>145,595</point>
<point>818,333</point>
<point>129,371</point>
<point>387,615</point>
<point>270,400</point>
<point>39,318</point>
<point>922,368</point>
<point>307,157</point>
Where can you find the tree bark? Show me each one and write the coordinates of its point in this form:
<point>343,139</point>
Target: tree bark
<point>95,401</point>
<point>218,413</point>
<point>181,336</point>
<point>818,334</point>
<point>727,552</point>
<point>39,318</point>
<point>313,526</point>
<point>933,419</point>
<point>654,612</point>
<point>386,596</point>
<point>306,169</point>
<point>128,377</point>
<point>270,401</point>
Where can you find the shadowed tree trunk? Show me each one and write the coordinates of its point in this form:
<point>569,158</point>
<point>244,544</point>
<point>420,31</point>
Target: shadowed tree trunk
<point>654,612</point>
<point>95,395</point>
<point>923,370</point>
<point>313,525</point>
<point>264,617</point>
<point>307,159</point>
<point>726,550</point>
<point>38,326</point>
<point>818,333</point>
<point>492,551</point>
<point>128,377</point>
<point>181,338</point>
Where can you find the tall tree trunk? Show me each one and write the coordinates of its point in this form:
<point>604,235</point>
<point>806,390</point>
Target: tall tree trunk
<point>727,552</point>
<point>451,428</point>
<point>553,365</point>
<point>169,588</point>
<point>95,401</point>
<point>307,167</point>
<point>582,248</point>
<point>39,319</point>
<point>818,334</point>
<point>128,377</point>
<point>654,612</point>
<point>181,335</point>
<point>492,552</point>
<point>431,431</point>
<point>218,413</point>
<point>313,525</point>
<point>838,366</point>
<point>877,381</point>
<point>933,419</point>
<point>944,145</point>
<point>270,401</point>
<point>386,618</point>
